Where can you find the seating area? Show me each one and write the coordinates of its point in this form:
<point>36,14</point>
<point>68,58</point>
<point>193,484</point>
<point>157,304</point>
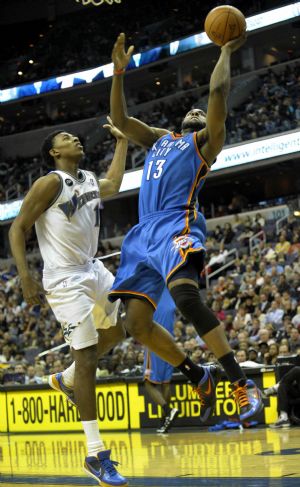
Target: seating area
<point>273,108</point>
<point>256,299</point>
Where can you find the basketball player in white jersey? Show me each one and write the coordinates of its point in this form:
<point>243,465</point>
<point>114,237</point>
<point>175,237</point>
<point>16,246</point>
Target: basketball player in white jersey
<point>64,205</point>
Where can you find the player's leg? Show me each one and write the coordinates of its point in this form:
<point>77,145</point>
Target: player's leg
<point>140,286</point>
<point>183,286</point>
<point>108,339</point>
<point>97,463</point>
<point>86,360</point>
<point>160,394</point>
<point>155,394</point>
<point>139,324</point>
<point>158,374</point>
<point>170,412</point>
<point>166,392</point>
<point>82,336</point>
<point>283,407</point>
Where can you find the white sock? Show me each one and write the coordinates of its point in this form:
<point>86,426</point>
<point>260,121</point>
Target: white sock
<point>69,376</point>
<point>94,442</point>
<point>283,415</point>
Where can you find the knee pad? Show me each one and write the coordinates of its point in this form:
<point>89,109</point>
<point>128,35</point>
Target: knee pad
<point>188,301</point>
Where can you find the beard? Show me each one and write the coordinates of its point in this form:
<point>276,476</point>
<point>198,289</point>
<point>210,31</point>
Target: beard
<point>193,125</point>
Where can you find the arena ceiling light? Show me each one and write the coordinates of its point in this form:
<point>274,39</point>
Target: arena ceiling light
<point>164,51</point>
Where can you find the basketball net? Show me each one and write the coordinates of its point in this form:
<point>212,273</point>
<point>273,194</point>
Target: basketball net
<point>97,3</point>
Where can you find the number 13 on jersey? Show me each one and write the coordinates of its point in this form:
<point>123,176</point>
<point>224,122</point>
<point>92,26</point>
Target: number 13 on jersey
<point>157,169</point>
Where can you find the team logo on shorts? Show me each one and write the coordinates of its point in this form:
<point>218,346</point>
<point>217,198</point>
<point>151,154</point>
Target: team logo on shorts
<point>68,329</point>
<point>69,182</point>
<point>182,242</point>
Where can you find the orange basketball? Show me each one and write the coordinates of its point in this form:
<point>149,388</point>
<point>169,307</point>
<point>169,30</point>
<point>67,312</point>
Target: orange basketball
<point>224,23</point>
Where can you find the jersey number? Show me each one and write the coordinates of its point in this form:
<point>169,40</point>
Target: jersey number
<point>159,167</point>
<point>97,214</point>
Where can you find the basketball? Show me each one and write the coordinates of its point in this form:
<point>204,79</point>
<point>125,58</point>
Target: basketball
<point>224,23</point>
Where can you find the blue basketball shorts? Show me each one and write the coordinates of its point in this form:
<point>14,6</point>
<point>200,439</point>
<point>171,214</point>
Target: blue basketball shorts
<point>153,251</point>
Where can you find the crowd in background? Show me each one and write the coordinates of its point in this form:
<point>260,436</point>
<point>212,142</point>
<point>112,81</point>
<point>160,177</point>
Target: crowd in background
<point>91,38</point>
<point>273,108</point>
<point>256,300</point>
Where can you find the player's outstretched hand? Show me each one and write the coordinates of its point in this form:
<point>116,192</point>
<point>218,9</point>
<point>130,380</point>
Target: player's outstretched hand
<point>235,44</point>
<point>119,56</point>
<point>113,129</point>
<point>33,291</point>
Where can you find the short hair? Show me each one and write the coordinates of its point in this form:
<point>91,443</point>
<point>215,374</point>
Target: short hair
<point>47,146</point>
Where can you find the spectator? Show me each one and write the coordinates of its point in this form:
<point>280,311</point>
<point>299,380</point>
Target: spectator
<point>270,358</point>
<point>296,318</point>
<point>264,336</point>
<point>241,356</point>
<point>242,319</point>
<point>294,341</point>
<point>275,315</point>
<point>31,377</point>
<point>253,355</point>
<point>282,246</point>
<point>229,234</point>
<point>283,350</point>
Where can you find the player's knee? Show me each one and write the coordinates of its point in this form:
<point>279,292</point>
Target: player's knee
<point>186,296</point>
<point>138,327</point>
<point>117,334</point>
<point>188,301</point>
<point>120,333</point>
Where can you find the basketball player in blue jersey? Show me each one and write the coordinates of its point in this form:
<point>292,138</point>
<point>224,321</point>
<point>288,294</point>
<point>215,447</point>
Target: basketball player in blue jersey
<point>157,372</point>
<point>167,246</point>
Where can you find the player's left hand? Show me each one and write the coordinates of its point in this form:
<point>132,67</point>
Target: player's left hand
<point>113,129</point>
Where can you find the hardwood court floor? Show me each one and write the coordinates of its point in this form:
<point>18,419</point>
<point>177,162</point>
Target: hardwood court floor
<point>252,458</point>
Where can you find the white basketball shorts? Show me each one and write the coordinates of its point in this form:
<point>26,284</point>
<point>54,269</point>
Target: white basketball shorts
<point>78,298</point>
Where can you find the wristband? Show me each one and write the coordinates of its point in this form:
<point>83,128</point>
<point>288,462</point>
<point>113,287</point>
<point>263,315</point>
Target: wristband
<point>118,72</point>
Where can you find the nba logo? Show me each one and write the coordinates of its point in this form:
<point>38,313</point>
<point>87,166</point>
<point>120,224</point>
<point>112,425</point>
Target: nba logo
<point>182,242</point>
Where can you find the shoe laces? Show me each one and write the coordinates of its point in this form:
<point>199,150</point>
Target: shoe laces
<point>241,396</point>
<point>200,393</point>
<point>109,466</point>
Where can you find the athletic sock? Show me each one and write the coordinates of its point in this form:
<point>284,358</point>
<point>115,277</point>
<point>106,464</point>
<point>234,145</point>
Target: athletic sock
<point>93,440</point>
<point>68,376</point>
<point>192,371</point>
<point>233,369</point>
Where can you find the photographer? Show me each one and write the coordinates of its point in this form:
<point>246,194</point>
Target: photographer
<point>288,393</point>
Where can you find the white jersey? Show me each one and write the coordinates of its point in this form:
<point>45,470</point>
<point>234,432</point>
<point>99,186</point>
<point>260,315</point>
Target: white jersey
<point>68,231</point>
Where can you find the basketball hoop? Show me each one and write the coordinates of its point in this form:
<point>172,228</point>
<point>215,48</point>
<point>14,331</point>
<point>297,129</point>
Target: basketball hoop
<point>97,3</point>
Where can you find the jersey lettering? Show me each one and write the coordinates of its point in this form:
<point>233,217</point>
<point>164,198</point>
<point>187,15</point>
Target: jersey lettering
<point>77,202</point>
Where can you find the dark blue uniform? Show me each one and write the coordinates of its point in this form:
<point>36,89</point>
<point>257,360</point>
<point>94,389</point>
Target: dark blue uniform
<point>170,227</point>
<point>157,370</point>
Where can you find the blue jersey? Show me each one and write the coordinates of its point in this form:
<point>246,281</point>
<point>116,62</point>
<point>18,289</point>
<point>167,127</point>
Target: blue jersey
<point>173,175</point>
<point>170,228</point>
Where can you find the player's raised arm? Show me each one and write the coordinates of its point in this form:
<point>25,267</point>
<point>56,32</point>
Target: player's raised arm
<point>37,200</point>
<point>110,185</point>
<point>212,141</point>
<point>137,131</point>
